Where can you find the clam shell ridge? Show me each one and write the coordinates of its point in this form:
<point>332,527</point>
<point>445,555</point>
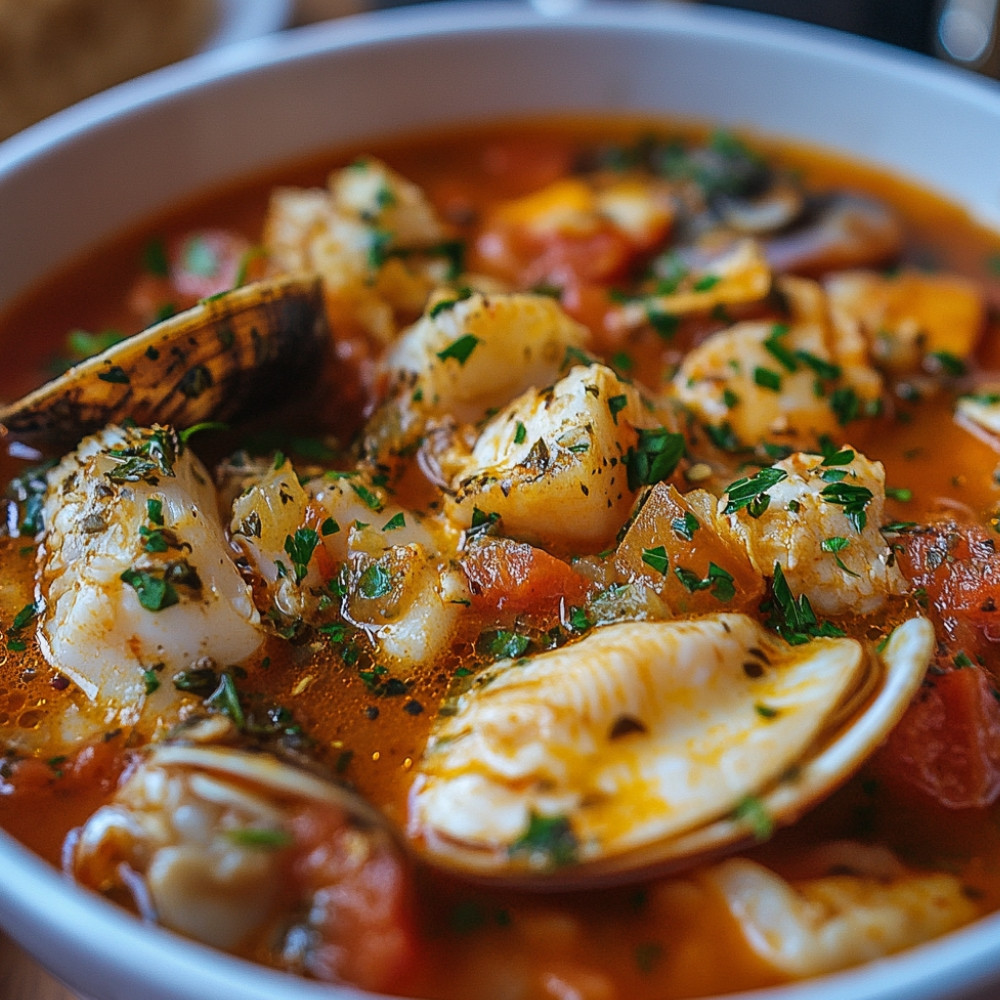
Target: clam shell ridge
<point>644,739</point>
<point>229,356</point>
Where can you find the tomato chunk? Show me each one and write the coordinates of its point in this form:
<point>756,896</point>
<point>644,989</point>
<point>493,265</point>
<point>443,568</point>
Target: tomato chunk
<point>361,923</point>
<point>958,566</point>
<point>516,577</point>
<point>947,745</point>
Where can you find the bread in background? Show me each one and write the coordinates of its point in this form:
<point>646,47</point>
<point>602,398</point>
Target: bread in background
<point>56,52</point>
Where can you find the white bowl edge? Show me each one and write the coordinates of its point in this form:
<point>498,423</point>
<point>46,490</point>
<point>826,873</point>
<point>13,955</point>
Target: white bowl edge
<point>85,936</point>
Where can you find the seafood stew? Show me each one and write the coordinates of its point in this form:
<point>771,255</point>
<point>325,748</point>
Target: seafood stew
<point>613,582</point>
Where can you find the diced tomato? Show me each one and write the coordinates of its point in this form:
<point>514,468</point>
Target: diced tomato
<point>516,577</point>
<point>525,164</point>
<point>193,267</point>
<point>947,745</point>
<point>530,260</point>
<point>360,902</point>
<point>96,765</point>
<point>958,566</point>
<point>325,564</point>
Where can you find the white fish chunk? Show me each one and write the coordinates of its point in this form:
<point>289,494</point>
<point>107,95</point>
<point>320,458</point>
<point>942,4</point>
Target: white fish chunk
<point>817,925</point>
<point>793,380</point>
<point>135,573</point>
<point>468,356</point>
<point>562,448</point>
<point>821,524</point>
<point>372,235</point>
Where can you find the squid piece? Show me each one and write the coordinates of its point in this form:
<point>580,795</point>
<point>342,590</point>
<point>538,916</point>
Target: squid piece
<point>980,411</point>
<point>567,447</point>
<point>820,519</point>
<point>737,276</point>
<point>650,745</point>
<point>135,575</point>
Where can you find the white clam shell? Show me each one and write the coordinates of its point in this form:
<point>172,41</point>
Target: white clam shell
<point>646,737</point>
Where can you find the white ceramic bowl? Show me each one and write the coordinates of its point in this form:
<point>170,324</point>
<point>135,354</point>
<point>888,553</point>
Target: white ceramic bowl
<point>248,106</point>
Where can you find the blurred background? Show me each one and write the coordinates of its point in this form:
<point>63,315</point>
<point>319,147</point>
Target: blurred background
<point>55,52</point>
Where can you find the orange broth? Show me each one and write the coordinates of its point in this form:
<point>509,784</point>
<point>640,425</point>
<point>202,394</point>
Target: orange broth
<point>655,941</point>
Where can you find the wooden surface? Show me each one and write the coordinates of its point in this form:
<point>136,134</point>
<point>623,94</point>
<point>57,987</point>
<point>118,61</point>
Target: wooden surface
<point>21,978</point>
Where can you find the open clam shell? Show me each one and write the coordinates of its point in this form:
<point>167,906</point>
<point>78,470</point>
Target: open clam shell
<point>228,356</point>
<point>647,747</point>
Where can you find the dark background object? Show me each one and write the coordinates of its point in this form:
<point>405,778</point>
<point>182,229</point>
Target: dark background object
<point>909,23</point>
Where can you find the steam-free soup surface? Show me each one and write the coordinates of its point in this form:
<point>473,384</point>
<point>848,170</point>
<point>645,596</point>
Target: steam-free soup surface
<point>800,434</point>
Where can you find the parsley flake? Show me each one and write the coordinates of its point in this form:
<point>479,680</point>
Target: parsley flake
<point>751,492</point>
<point>459,349</point>
<point>656,558</point>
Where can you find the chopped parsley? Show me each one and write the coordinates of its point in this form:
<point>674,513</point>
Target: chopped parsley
<point>549,839</point>
<point>266,839</point>
<point>837,544</point>
<point>793,617</point>
<point>718,581</point>
<point>504,644</point>
<point>300,548</point>
<point>752,810</point>
<point>375,581</point>
<point>751,492</point>
<point>852,498</point>
<point>616,404</point>
<point>154,591</point>
<point>685,526</point>
<point>367,497</point>
<point>948,363</point>
<point>767,378</point>
<point>459,349</point>
<point>656,558</point>
<point>654,457</point>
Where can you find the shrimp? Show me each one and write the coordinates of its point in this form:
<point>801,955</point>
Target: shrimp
<point>135,576</point>
<point>215,843</point>
<point>819,519</point>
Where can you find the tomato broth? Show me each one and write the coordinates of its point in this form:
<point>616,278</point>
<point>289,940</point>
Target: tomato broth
<point>927,794</point>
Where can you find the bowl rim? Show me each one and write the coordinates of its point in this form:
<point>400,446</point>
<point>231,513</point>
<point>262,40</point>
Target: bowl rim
<point>252,45</point>
<point>962,959</point>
